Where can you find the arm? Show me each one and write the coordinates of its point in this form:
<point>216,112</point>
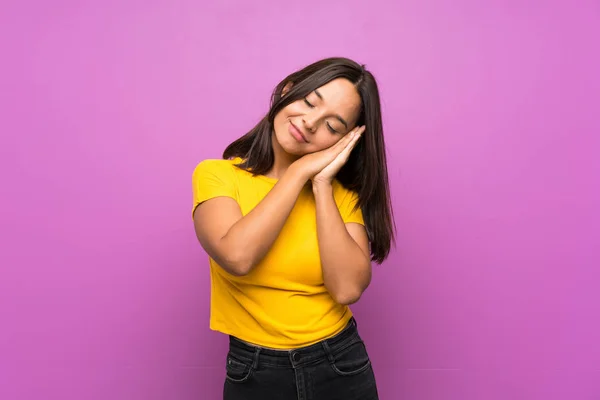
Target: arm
<point>344,249</point>
<point>238,243</point>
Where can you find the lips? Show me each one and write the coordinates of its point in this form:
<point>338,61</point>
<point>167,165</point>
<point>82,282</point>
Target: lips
<point>297,133</point>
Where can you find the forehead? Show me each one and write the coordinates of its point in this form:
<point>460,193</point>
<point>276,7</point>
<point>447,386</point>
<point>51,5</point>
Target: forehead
<point>341,96</point>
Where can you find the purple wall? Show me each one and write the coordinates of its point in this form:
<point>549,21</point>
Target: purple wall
<point>491,115</point>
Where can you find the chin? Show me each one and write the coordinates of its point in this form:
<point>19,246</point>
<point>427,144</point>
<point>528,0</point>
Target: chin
<point>294,151</point>
<point>288,144</point>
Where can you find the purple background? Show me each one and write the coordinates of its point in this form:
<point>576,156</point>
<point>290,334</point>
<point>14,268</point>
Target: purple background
<point>491,116</point>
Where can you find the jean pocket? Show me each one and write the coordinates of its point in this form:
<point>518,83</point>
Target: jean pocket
<point>237,370</point>
<point>352,360</point>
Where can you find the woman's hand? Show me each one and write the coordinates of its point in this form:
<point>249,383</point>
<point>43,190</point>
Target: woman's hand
<point>322,166</point>
<point>328,173</point>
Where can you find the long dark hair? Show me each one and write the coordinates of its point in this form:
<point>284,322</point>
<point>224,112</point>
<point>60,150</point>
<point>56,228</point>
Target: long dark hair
<point>365,172</point>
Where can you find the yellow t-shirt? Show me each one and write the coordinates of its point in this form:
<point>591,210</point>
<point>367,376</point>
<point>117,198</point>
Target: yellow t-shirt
<point>282,303</point>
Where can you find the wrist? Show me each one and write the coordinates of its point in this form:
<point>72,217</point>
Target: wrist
<point>321,187</point>
<point>297,174</point>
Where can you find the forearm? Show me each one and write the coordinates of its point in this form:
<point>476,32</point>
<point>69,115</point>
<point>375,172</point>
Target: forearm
<point>346,268</point>
<point>250,238</point>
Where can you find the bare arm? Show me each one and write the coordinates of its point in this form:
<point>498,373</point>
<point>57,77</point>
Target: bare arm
<point>238,243</point>
<point>344,250</point>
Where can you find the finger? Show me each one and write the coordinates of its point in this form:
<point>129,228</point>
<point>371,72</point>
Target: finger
<point>349,138</point>
<point>345,153</point>
<point>356,136</point>
<point>352,143</point>
<point>340,144</point>
<point>358,130</point>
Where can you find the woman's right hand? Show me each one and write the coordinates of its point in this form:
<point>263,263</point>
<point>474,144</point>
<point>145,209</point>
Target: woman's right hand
<point>311,164</point>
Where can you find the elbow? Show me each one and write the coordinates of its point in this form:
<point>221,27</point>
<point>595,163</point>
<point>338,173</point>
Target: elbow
<point>348,296</point>
<point>236,270</point>
<point>235,259</point>
<point>347,293</point>
<point>237,266</point>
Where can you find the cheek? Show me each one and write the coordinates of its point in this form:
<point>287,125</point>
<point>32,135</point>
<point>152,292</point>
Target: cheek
<point>279,123</point>
<point>282,116</point>
<point>289,110</point>
<point>279,118</point>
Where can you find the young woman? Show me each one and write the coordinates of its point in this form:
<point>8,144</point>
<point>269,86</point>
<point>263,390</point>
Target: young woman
<point>291,218</point>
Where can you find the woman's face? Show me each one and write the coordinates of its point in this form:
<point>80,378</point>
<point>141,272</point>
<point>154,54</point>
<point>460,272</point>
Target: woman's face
<point>319,120</point>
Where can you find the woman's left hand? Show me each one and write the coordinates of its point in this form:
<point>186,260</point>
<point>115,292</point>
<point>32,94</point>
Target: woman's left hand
<point>328,173</point>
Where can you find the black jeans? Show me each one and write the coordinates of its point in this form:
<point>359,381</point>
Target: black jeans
<point>338,368</point>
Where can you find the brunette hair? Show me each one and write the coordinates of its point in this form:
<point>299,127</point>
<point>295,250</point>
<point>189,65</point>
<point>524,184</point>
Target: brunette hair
<point>365,172</point>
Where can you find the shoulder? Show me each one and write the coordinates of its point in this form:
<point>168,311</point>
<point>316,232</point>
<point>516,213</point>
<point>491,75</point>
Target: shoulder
<point>216,167</point>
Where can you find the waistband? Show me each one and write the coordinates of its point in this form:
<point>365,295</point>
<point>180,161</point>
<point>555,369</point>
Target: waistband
<point>324,350</point>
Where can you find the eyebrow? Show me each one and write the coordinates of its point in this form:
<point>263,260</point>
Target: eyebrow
<point>337,116</point>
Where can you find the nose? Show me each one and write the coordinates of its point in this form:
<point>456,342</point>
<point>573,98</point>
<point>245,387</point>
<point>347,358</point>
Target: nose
<point>310,123</point>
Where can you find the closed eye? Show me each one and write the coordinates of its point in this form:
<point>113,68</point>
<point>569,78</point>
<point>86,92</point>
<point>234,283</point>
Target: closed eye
<point>309,104</point>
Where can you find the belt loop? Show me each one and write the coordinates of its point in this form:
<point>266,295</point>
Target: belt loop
<point>328,351</point>
<point>256,357</point>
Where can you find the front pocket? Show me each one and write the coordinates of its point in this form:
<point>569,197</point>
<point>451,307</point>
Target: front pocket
<point>352,360</point>
<point>237,371</point>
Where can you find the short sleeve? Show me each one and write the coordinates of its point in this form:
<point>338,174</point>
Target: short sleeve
<point>210,179</point>
<point>349,214</point>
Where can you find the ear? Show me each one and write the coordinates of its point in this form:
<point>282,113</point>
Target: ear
<point>286,88</point>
